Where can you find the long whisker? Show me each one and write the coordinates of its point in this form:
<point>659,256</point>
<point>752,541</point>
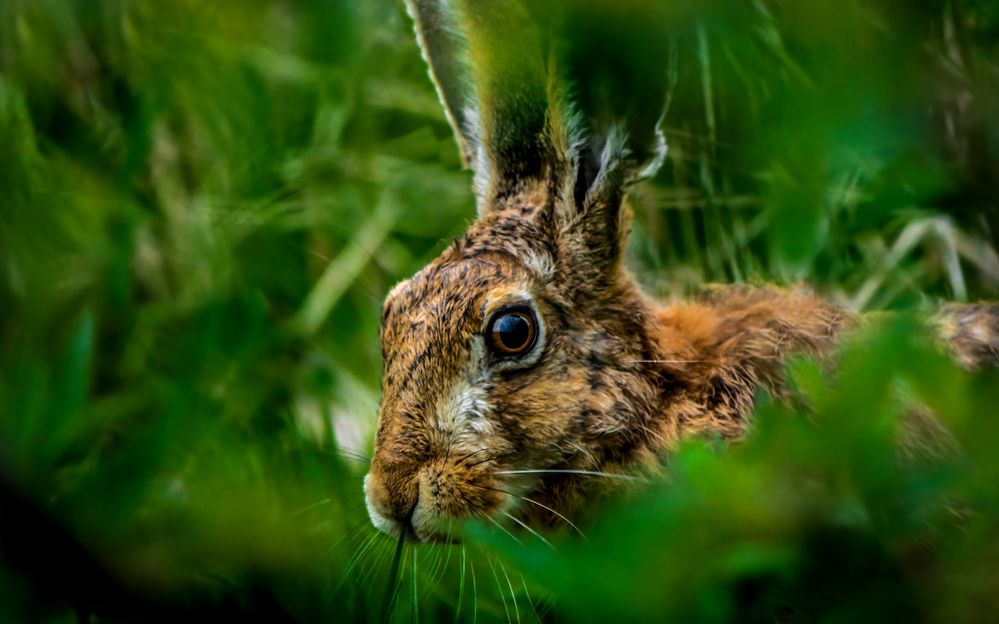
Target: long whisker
<point>527,594</point>
<point>351,536</point>
<point>481,461</point>
<point>513,595</point>
<point>439,567</point>
<point>547,508</point>
<point>585,473</point>
<point>541,505</point>
<point>366,545</point>
<point>666,361</point>
<point>472,454</point>
<point>475,592</point>
<point>503,528</point>
<point>499,588</point>
<point>529,530</point>
<point>416,597</point>
<point>325,501</point>
<point>374,567</point>
<point>352,454</point>
<point>447,555</point>
<point>461,581</point>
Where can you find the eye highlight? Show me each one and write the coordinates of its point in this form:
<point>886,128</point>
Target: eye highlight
<point>512,332</point>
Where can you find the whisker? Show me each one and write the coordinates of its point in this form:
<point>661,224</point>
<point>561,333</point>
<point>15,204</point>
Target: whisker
<point>325,501</point>
<point>547,508</point>
<point>666,361</point>
<point>437,568</point>
<point>481,461</point>
<point>447,555</point>
<point>356,559</point>
<point>461,580</point>
<point>352,454</point>
<point>503,528</point>
<point>416,597</point>
<point>473,453</point>
<point>586,473</point>
<point>527,594</point>
<point>513,596</point>
<point>351,536</point>
<point>475,592</point>
<point>499,588</point>
<point>541,505</point>
<point>375,566</point>
<point>529,530</point>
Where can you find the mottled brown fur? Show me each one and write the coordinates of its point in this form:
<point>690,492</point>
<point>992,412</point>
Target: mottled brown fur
<point>971,332</point>
<point>622,378</point>
<point>616,379</point>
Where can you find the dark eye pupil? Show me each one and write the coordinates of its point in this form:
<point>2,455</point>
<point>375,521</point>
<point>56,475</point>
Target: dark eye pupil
<point>512,332</point>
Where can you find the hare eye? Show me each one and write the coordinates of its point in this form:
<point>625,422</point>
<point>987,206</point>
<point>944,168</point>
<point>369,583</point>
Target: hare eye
<point>512,333</point>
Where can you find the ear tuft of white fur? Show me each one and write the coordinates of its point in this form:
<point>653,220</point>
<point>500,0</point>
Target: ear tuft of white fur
<point>658,156</point>
<point>612,157</point>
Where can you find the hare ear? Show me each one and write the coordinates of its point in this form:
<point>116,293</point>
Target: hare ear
<point>503,69</point>
<point>444,48</point>
<point>520,130</point>
<point>622,66</point>
<point>489,63</point>
<point>622,69</point>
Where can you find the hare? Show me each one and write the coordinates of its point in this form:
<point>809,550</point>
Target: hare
<point>526,356</point>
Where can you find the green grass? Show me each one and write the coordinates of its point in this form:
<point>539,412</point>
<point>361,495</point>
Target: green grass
<point>202,204</point>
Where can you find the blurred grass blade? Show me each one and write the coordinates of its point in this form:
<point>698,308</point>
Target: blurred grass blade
<point>345,268</point>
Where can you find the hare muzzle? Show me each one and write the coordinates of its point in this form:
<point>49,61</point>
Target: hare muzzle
<point>425,505</point>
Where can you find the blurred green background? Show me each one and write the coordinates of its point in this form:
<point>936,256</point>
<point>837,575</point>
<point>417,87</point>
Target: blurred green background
<point>203,203</point>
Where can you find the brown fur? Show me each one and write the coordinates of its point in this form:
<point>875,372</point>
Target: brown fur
<point>621,380</point>
<point>971,333</point>
<point>616,379</point>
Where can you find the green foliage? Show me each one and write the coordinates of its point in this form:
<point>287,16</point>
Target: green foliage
<point>202,204</point>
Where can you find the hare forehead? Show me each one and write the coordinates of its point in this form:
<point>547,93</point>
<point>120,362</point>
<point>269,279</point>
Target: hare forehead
<point>445,293</point>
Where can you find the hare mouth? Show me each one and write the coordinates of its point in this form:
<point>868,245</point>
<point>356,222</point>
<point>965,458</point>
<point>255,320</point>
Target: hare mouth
<point>443,503</point>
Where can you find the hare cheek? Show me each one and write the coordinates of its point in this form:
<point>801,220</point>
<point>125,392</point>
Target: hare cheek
<point>462,414</point>
<point>462,417</point>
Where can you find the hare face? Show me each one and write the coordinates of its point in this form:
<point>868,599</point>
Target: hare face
<point>521,352</point>
<point>490,369</point>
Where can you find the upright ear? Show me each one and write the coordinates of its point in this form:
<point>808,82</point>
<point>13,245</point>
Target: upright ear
<point>620,61</point>
<point>444,50</point>
<point>523,130</point>
<point>621,65</point>
<point>491,70</point>
<point>504,69</point>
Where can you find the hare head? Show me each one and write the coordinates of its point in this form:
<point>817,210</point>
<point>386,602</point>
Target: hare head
<point>517,353</point>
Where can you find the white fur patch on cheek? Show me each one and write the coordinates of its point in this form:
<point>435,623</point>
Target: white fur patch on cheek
<point>465,408</point>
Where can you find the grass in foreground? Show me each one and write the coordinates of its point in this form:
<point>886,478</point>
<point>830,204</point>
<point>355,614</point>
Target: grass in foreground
<point>201,205</point>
